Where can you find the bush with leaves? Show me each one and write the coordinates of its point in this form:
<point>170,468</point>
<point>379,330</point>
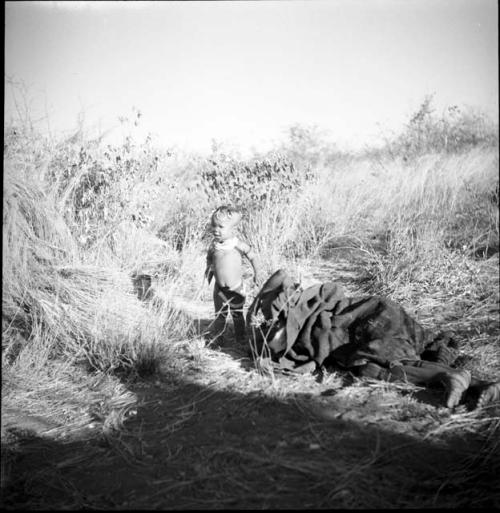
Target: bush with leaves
<point>100,187</point>
<point>456,130</point>
<point>309,147</point>
<point>249,185</point>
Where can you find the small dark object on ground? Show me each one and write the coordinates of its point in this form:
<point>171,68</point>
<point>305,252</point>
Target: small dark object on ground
<point>142,286</point>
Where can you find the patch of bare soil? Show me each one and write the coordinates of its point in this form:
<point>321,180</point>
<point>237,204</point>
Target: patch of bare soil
<point>211,433</point>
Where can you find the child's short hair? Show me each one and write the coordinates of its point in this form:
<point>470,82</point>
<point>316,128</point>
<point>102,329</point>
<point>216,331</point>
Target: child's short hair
<point>226,213</point>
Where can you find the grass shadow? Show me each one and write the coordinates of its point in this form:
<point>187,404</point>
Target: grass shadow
<point>194,447</point>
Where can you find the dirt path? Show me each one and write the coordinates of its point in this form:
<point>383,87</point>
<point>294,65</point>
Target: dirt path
<point>214,434</point>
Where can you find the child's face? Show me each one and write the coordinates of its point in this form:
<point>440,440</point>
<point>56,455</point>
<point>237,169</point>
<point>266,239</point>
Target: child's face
<point>222,230</point>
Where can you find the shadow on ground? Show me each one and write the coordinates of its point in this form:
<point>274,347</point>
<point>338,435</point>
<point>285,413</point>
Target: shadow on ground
<point>194,447</point>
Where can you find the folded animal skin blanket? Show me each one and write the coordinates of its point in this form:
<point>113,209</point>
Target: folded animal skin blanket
<point>320,323</point>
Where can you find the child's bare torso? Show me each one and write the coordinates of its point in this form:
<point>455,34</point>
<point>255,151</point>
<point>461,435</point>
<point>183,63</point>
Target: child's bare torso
<point>227,265</point>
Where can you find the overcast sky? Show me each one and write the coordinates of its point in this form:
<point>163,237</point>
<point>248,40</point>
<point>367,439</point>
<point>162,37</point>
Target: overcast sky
<point>241,72</point>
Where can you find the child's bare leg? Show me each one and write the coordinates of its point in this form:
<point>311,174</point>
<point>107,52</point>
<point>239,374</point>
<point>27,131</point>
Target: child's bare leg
<point>239,325</point>
<point>221,313</point>
<point>237,303</point>
<point>219,326</point>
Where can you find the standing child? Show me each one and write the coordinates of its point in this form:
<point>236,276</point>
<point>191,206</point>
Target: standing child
<point>224,263</point>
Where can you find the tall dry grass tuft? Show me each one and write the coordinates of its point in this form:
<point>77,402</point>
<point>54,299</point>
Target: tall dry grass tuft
<point>269,230</point>
<point>55,305</point>
<point>36,242</point>
<point>441,219</point>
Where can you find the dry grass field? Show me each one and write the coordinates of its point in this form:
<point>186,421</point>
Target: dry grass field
<point>115,401</point>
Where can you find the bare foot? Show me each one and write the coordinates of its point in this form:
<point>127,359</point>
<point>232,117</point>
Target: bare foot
<point>457,383</point>
<point>490,394</point>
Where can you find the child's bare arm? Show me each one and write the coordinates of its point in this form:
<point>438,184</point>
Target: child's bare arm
<point>253,259</point>
<point>256,267</point>
<point>209,274</point>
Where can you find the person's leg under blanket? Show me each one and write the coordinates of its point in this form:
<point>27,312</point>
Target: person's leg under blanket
<point>421,372</point>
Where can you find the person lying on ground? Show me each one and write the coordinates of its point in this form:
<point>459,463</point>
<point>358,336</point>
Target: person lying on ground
<point>305,330</point>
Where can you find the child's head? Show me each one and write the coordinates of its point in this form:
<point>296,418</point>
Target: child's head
<point>224,220</point>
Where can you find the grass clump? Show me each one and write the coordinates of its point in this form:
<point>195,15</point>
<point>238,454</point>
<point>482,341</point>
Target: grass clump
<point>55,302</point>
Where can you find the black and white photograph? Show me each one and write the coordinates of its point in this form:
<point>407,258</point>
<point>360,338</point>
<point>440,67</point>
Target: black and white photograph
<point>250,255</point>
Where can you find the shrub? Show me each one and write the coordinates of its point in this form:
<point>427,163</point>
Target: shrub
<point>100,187</point>
<point>180,212</point>
<point>251,185</point>
<point>308,148</point>
<point>455,130</point>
